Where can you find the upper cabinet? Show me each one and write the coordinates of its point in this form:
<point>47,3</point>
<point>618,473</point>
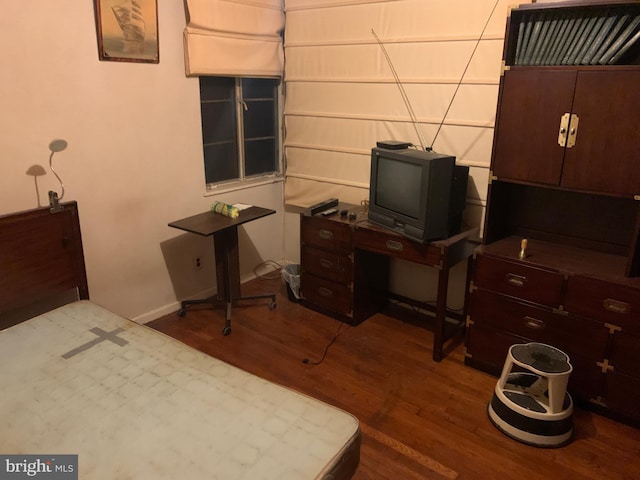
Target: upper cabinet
<point>566,151</point>
<point>571,128</point>
<point>568,114</point>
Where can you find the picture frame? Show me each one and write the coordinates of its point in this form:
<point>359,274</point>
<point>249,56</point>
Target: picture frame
<point>127,30</point>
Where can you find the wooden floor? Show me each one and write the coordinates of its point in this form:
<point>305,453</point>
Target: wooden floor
<point>419,419</point>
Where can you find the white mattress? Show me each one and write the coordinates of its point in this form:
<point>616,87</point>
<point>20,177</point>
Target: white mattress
<point>151,407</point>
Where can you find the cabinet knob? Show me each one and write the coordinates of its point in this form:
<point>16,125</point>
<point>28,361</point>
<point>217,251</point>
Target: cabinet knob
<point>562,133</point>
<point>395,246</point>
<point>533,323</point>
<point>616,306</point>
<point>325,292</point>
<point>515,280</point>
<point>325,234</point>
<point>325,263</point>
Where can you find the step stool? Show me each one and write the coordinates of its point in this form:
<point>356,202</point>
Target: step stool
<point>531,404</point>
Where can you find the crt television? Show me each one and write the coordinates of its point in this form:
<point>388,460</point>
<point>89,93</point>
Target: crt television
<point>419,194</point>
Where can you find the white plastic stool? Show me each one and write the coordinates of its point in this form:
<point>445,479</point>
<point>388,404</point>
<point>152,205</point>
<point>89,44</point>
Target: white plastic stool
<point>533,405</point>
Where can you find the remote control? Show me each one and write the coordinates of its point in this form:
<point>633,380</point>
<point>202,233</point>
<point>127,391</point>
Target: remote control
<point>329,212</point>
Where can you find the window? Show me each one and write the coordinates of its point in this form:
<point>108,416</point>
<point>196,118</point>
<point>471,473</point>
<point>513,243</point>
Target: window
<point>239,127</point>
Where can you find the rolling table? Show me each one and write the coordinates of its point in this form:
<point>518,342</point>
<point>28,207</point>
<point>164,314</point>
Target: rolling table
<point>225,239</point>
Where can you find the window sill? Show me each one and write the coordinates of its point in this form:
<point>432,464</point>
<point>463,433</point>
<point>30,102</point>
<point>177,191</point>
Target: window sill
<point>242,185</point>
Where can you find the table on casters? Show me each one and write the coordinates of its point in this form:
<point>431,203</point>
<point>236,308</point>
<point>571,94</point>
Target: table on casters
<point>225,239</point>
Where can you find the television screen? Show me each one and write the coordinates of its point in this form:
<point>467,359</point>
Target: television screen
<point>419,194</point>
<point>398,186</point>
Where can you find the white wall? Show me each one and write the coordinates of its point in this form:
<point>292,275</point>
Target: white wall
<point>134,161</point>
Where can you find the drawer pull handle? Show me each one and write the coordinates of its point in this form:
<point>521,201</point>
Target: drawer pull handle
<point>516,280</point>
<point>324,263</point>
<point>616,306</point>
<point>325,292</point>
<point>395,246</point>
<point>533,323</point>
<point>325,234</point>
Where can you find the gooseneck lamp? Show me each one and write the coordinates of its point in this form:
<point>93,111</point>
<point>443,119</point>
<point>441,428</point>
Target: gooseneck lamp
<point>54,201</point>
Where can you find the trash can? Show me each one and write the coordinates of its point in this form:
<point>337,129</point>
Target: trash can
<point>291,277</point>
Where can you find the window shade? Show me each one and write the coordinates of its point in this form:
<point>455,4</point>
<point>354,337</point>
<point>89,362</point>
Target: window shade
<point>341,96</point>
<point>234,38</point>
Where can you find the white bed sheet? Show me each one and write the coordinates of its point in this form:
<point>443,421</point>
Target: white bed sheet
<point>151,407</point>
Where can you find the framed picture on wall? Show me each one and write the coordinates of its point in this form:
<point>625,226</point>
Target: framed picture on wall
<point>127,30</point>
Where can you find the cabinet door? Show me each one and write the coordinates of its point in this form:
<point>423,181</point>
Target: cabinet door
<point>604,158</point>
<point>532,103</point>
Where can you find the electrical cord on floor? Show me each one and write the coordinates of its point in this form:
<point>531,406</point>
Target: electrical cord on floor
<point>335,337</point>
<point>269,276</point>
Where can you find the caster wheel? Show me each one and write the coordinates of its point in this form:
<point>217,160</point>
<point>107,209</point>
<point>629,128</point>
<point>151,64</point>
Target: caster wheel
<point>182,312</point>
<point>226,330</point>
<point>272,306</point>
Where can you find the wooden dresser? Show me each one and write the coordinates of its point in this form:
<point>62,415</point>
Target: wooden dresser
<point>329,270</point>
<point>564,176</point>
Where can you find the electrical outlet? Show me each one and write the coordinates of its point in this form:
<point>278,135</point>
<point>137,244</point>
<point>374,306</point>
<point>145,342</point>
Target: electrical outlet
<point>197,262</point>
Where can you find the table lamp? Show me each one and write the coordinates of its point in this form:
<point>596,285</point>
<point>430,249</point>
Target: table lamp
<point>54,202</point>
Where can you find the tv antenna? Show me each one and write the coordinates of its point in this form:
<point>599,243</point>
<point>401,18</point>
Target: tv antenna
<point>405,98</point>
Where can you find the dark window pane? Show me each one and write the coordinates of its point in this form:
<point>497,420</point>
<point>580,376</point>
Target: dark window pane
<point>217,88</point>
<point>218,122</point>
<point>259,119</point>
<point>259,87</point>
<point>220,162</point>
<point>220,125</point>
<point>259,156</point>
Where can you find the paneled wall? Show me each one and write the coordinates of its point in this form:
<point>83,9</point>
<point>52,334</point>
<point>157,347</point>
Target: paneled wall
<point>342,97</point>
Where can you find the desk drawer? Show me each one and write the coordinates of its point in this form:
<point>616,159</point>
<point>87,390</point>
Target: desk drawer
<point>394,245</point>
<point>329,295</point>
<point>326,234</point>
<point>328,265</point>
<point>519,280</point>
<point>615,304</point>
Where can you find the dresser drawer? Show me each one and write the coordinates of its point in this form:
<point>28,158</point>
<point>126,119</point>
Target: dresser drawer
<point>487,349</point>
<point>622,395</point>
<point>615,304</point>
<point>325,234</point>
<point>625,354</point>
<point>519,280</point>
<point>394,245</point>
<point>329,265</point>
<point>329,295</point>
<point>566,332</point>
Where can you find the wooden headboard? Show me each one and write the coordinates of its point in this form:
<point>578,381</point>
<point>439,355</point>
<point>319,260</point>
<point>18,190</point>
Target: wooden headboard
<point>41,256</point>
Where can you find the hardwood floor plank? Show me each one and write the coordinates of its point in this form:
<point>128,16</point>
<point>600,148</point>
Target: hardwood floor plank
<point>409,452</point>
<point>420,419</point>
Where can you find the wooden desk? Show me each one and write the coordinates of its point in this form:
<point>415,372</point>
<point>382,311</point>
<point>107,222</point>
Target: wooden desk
<point>345,268</point>
<point>225,238</point>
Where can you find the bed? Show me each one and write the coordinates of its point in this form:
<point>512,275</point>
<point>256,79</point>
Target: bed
<point>129,401</point>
